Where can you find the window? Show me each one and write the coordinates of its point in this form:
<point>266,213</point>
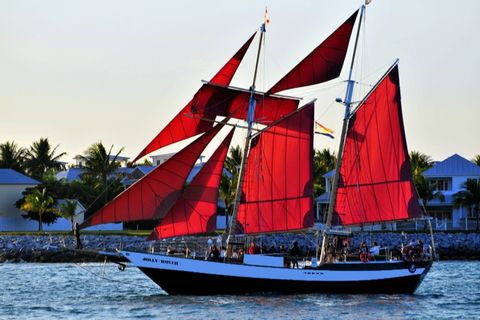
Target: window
<point>441,184</point>
<point>471,213</point>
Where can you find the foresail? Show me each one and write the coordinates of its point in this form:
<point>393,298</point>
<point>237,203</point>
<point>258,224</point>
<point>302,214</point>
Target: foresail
<point>151,197</point>
<point>195,211</point>
<point>375,177</point>
<point>323,63</point>
<point>278,185</point>
<point>184,126</point>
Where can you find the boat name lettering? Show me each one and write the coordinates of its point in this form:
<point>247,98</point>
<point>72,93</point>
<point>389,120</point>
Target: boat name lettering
<point>175,263</point>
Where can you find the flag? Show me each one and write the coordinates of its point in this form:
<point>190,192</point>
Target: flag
<point>320,129</point>
<point>267,20</point>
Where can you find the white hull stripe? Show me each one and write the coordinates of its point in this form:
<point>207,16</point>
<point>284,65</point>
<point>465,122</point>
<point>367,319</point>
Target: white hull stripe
<point>155,261</point>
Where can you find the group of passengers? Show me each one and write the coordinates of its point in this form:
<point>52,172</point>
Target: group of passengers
<point>414,251</point>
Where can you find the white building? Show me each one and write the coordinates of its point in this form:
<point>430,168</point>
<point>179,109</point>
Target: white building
<point>12,184</point>
<point>447,177</point>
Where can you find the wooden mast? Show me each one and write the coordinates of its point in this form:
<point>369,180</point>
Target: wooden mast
<point>250,117</point>
<point>347,102</point>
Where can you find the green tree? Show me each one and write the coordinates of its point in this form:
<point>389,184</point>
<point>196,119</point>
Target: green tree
<point>37,204</point>
<point>476,159</point>
<point>12,156</point>
<point>68,210</point>
<point>100,166</point>
<point>427,191</point>
<point>323,161</point>
<point>470,197</point>
<point>419,163</point>
<point>41,157</point>
<point>228,185</point>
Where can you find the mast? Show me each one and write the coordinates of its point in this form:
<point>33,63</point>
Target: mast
<point>347,102</point>
<point>250,117</point>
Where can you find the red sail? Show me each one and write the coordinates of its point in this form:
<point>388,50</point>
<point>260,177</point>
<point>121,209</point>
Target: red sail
<point>183,126</point>
<point>195,211</point>
<point>211,101</point>
<point>151,197</point>
<point>375,177</point>
<point>278,185</point>
<point>323,63</point>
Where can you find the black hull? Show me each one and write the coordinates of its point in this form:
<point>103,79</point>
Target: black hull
<point>191,283</point>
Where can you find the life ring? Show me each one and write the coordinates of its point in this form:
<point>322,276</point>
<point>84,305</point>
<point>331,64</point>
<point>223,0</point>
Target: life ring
<point>412,268</point>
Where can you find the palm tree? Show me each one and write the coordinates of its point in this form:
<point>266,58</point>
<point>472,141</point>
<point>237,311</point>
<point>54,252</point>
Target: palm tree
<point>228,184</point>
<point>323,161</point>
<point>427,192</point>
<point>470,197</point>
<point>36,204</point>
<point>12,156</point>
<point>234,160</point>
<point>100,165</point>
<point>42,157</point>
<point>476,159</point>
<point>68,210</point>
<point>419,163</point>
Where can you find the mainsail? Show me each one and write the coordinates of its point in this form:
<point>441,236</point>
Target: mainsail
<point>151,197</point>
<point>278,185</point>
<point>323,63</point>
<point>375,176</point>
<point>195,211</point>
<point>182,126</point>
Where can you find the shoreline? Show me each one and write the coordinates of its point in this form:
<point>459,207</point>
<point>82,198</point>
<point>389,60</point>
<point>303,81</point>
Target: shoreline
<point>61,248</point>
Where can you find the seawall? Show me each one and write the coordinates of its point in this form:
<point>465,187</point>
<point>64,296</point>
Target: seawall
<point>61,248</point>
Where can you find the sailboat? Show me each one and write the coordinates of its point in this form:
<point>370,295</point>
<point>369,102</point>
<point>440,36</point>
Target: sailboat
<point>372,184</point>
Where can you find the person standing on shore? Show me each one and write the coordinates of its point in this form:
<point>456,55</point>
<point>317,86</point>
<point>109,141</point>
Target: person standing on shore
<point>76,233</point>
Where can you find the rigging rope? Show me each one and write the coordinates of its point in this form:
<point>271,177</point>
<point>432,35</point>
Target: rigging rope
<point>106,278</point>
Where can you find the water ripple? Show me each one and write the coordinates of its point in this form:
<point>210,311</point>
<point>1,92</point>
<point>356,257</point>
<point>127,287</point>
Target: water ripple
<point>64,291</point>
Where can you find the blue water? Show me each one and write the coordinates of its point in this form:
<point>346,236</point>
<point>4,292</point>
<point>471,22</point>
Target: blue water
<point>90,291</point>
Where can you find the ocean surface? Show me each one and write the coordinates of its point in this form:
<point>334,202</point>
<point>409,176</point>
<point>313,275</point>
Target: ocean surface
<point>91,291</point>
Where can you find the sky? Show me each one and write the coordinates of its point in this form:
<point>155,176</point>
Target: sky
<point>117,71</point>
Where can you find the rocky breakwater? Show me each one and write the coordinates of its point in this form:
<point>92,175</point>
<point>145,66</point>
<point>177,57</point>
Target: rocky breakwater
<point>61,248</point>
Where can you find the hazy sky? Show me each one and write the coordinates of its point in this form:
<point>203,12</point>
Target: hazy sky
<point>79,72</point>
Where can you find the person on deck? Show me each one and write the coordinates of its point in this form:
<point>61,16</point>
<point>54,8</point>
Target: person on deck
<point>253,249</point>
<point>294,253</point>
<point>214,254</point>
<point>375,249</point>
<point>364,253</point>
<point>76,233</point>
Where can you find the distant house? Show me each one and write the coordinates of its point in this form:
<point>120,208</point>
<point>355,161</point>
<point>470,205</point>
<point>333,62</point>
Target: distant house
<point>161,158</point>
<point>12,184</point>
<point>74,173</point>
<point>447,177</point>
<point>135,173</point>
<point>69,175</point>
<point>80,162</point>
<point>323,200</point>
